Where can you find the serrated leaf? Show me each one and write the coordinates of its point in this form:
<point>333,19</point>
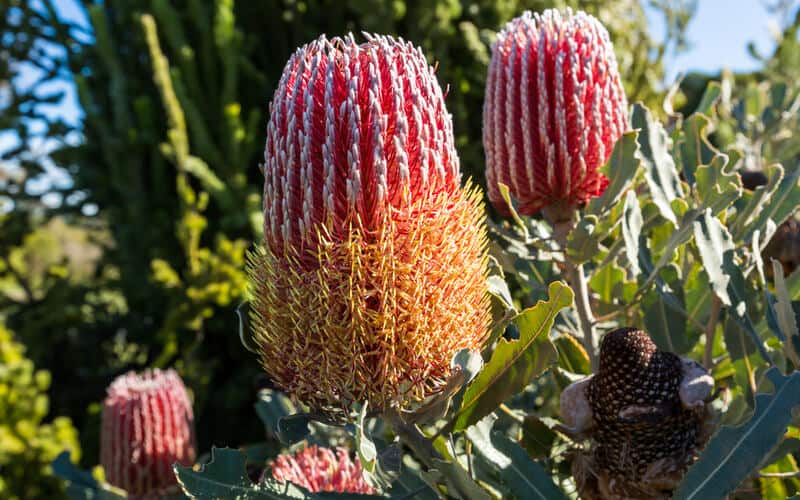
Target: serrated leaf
<point>515,363</point>
<point>695,150</point>
<point>524,477</point>
<point>620,169</point>
<point>713,241</point>
<point>224,476</point>
<point>660,172</point>
<point>717,185</point>
<point>735,452</point>
<point>631,229</point>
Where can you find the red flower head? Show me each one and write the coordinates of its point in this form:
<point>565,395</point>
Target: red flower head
<point>373,271</point>
<point>320,469</point>
<point>554,108</point>
<point>147,426</point>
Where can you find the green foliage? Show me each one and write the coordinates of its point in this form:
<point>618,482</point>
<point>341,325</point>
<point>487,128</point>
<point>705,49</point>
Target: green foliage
<point>27,443</point>
<point>734,452</point>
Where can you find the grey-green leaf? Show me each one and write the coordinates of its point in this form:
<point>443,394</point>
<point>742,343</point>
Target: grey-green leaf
<point>223,477</point>
<point>524,477</point>
<point>620,169</point>
<point>713,241</point>
<point>631,229</point>
<point>660,172</point>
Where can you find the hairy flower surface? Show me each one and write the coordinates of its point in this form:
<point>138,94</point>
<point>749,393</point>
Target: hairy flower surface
<point>321,469</point>
<point>553,109</point>
<point>147,426</point>
<point>372,274</point>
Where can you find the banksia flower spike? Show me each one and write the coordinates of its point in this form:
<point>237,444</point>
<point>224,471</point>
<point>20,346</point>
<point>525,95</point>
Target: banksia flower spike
<point>647,414</point>
<point>554,107</point>
<point>147,426</point>
<point>372,274</point>
<point>321,469</point>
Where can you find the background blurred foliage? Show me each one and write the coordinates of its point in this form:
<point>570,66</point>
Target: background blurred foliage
<point>139,261</point>
<point>27,445</point>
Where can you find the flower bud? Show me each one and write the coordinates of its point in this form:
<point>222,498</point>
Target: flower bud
<point>553,109</point>
<point>147,426</point>
<point>321,469</point>
<point>373,270</point>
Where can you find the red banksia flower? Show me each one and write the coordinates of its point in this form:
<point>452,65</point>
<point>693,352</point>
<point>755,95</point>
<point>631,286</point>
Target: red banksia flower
<point>554,107</point>
<point>147,426</point>
<point>373,270</point>
<point>321,469</point>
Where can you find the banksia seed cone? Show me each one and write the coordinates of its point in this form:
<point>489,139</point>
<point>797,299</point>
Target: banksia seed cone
<point>648,418</point>
<point>554,107</point>
<point>321,469</point>
<point>147,426</point>
<point>373,270</point>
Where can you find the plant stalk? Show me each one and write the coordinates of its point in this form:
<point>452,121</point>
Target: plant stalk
<point>563,219</point>
<point>577,280</point>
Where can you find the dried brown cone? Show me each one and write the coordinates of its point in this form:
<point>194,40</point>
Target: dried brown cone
<point>649,419</point>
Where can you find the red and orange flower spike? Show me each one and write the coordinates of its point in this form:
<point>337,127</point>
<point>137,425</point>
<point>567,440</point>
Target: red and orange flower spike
<point>147,426</point>
<point>321,469</point>
<point>373,270</point>
<point>554,107</point>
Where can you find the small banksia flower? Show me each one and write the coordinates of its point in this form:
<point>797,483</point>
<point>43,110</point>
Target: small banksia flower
<point>147,426</point>
<point>554,107</point>
<point>321,469</point>
<point>373,270</point>
<point>646,413</point>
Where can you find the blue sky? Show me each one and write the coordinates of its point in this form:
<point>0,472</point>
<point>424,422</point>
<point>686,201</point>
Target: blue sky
<point>718,35</point>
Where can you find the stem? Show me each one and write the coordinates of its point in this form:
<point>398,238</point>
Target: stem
<point>711,332</point>
<point>577,280</point>
<point>563,219</point>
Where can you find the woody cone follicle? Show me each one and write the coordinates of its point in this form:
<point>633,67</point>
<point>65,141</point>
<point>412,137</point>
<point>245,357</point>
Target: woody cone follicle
<point>647,416</point>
